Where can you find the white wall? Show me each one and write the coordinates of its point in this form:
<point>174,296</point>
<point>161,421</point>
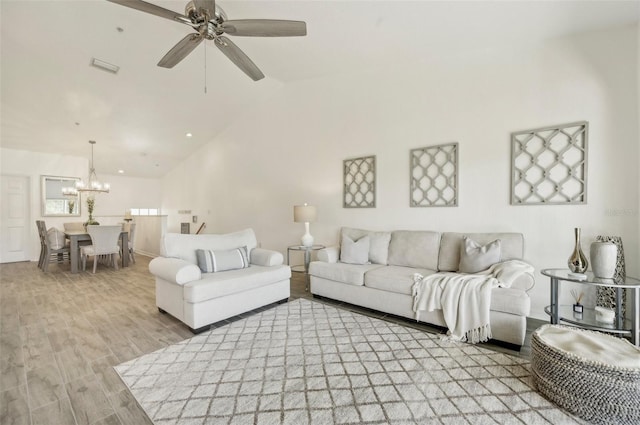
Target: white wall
<point>126,192</point>
<point>291,150</point>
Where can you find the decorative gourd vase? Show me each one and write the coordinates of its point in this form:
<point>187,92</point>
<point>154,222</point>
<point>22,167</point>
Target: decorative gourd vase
<point>604,256</point>
<point>578,261</point>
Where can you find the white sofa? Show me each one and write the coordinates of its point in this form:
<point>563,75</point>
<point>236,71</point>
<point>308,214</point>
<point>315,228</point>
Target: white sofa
<point>386,283</point>
<point>200,299</point>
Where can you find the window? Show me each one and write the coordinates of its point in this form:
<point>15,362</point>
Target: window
<point>145,211</point>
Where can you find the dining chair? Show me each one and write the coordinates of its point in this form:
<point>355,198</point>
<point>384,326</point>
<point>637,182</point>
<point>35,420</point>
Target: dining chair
<point>49,252</point>
<point>132,234</point>
<point>42,236</point>
<point>104,242</point>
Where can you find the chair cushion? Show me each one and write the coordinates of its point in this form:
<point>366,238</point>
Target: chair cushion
<point>396,279</point>
<point>90,250</point>
<point>352,274</point>
<point>216,285</point>
<point>211,261</point>
<point>177,245</point>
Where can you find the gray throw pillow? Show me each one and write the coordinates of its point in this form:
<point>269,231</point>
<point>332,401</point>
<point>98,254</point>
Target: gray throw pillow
<point>354,252</point>
<point>221,260</point>
<point>475,257</point>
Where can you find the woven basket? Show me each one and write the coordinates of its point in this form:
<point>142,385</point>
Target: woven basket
<point>598,392</point>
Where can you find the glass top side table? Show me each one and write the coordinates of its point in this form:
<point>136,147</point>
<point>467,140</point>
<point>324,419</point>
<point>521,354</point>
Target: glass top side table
<point>564,313</point>
<point>307,259</point>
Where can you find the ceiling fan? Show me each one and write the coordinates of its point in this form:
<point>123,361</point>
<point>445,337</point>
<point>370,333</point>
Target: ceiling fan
<point>210,23</point>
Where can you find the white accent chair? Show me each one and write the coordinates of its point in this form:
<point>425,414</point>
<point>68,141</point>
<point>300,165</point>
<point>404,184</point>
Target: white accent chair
<point>200,299</point>
<point>104,241</point>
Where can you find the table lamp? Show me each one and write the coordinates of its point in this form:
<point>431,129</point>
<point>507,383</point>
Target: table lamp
<point>127,216</point>
<point>305,214</point>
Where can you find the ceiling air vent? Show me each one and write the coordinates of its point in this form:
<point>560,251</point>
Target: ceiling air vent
<point>105,66</point>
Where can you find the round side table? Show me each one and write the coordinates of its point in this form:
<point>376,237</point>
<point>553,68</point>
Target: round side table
<point>307,259</point>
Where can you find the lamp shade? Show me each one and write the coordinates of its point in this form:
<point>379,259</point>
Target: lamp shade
<point>304,213</point>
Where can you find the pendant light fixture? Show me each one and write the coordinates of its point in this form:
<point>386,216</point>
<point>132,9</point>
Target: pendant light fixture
<point>93,185</point>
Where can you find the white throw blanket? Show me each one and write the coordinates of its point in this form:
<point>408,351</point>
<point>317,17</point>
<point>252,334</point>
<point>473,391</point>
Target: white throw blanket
<point>465,299</point>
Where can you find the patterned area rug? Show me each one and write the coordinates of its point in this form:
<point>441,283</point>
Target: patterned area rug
<point>306,362</point>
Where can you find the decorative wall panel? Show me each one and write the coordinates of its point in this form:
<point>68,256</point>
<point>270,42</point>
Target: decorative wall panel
<point>359,182</point>
<point>549,165</point>
<point>434,176</point>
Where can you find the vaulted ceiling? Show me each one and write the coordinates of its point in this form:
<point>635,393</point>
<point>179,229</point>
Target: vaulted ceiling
<point>53,101</point>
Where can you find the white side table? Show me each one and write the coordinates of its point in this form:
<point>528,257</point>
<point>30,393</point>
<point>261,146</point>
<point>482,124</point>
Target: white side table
<point>307,259</point>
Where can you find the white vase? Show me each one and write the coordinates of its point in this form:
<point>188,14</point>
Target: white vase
<point>603,259</point>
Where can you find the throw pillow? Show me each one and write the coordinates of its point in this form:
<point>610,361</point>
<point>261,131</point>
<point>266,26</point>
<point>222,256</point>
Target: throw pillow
<point>354,252</point>
<point>56,238</point>
<point>221,260</point>
<point>475,257</point>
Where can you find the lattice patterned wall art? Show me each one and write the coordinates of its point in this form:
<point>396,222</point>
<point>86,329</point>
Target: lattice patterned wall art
<point>434,176</point>
<point>549,165</point>
<point>359,182</point>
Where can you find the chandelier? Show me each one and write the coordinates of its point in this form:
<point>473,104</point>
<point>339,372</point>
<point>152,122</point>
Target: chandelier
<point>93,185</point>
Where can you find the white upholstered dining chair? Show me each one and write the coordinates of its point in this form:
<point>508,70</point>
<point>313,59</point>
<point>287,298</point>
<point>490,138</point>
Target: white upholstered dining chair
<point>131,229</point>
<point>104,242</point>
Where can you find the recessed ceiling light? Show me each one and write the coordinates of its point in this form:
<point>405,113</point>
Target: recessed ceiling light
<point>121,171</point>
<point>189,135</point>
<point>105,66</point>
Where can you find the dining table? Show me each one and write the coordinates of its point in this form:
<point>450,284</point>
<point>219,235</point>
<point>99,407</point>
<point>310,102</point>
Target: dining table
<point>76,237</point>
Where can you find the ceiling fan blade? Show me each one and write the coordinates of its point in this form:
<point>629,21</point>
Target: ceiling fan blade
<point>153,9</point>
<point>208,5</point>
<point>264,28</point>
<point>239,58</point>
<point>180,50</point>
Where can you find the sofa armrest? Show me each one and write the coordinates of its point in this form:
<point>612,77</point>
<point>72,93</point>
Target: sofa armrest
<point>330,254</point>
<point>174,270</point>
<point>524,282</point>
<point>266,257</point>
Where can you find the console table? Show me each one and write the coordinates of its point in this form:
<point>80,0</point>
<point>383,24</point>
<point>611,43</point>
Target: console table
<point>565,313</point>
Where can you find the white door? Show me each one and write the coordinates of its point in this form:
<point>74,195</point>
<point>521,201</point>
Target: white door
<point>14,219</point>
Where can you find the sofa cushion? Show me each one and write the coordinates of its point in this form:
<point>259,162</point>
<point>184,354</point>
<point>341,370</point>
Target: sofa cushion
<point>216,285</point>
<point>177,245</point>
<point>354,252</point>
<point>211,261</point>
<point>475,258</point>
<point>510,300</point>
<point>378,243</point>
<point>352,274</point>
<point>394,278</point>
<point>414,249</point>
<point>511,247</point>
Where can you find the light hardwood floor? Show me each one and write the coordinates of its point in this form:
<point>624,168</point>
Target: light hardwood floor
<point>61,333</point>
